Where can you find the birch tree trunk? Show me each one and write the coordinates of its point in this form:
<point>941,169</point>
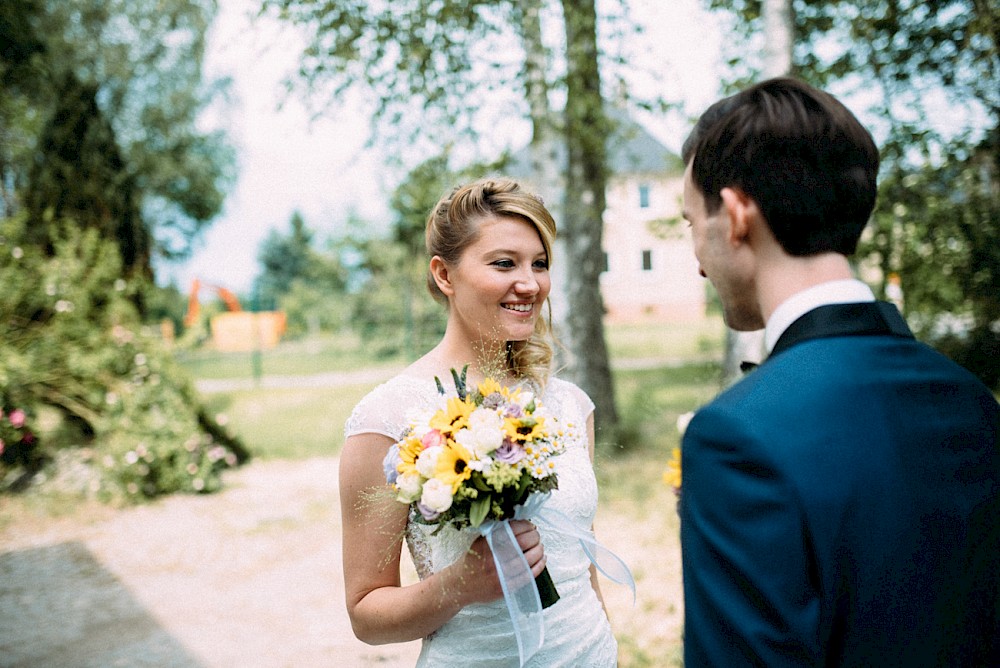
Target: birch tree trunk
<point>544,152</point>
<point>585,131</point>
<point>779,38</point>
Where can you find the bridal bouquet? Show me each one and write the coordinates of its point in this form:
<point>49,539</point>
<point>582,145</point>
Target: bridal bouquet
<point>476,457</point>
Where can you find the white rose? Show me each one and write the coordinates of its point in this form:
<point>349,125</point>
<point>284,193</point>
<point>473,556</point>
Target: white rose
<point>683,420</point>
<point>484,433</point>
<point>419,421</point>
<point>437,495</point>
<point>525,397</point>
<point>427,461</point>
<point>408,487</point>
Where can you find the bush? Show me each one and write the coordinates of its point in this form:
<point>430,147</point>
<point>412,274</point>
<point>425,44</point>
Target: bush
<point>74,342</point>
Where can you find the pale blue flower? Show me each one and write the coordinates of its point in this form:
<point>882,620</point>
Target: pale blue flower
<point>389,464</point>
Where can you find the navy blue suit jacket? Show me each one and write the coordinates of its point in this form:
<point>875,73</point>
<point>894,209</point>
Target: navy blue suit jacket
<point>840,505</point>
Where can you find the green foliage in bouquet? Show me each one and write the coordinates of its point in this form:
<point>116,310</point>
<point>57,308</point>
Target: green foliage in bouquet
<point>74,343</point>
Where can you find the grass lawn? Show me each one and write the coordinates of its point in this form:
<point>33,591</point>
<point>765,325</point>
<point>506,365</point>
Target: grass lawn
<point>289,423</point>
<point>347,352</point>
<point>298,423</point>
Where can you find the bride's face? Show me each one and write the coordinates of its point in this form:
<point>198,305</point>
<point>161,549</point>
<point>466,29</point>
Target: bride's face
<point>497,289</point>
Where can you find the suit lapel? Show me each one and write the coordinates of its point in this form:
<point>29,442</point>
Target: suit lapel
<point>860,319</point>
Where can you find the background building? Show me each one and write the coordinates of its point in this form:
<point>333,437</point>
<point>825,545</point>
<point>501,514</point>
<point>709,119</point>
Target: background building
<point>650,272</point>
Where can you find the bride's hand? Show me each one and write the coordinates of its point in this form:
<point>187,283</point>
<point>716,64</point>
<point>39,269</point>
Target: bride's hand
<point>484,583</point>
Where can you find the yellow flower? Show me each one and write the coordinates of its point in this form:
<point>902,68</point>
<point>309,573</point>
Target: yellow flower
<point>672,474</point>
<point>490,386</point>
<point>409,450</point>
<point>455,416</point>
<point>453,465</point>
<point>524,429</point>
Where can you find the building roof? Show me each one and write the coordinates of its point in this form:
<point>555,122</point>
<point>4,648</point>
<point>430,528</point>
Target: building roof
<point>631,150</point>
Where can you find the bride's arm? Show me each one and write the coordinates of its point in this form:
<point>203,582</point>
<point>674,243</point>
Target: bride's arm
<point>381,610</point>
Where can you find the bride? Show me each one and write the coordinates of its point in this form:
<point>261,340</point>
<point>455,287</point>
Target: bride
<point>490,247</point>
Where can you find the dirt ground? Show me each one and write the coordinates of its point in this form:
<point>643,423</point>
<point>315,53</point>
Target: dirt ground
<point>249,577</point>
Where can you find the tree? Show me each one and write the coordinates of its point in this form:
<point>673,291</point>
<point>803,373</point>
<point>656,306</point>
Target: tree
<point>931,69</point>
<point>80,175</point>
<point>446,66</point>
<point>102,166</point>
<point>129,75</point>
<point>301,280</point>
<point>779,39</point>
<point>283,260</point>
<point>586,129</point>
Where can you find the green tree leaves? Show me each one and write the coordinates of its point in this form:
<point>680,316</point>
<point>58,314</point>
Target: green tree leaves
<point>130,72</point>
<point>929,72</point>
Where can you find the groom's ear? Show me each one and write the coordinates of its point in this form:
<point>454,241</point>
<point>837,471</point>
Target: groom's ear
<point>742,212</point>
<point>442,276</point>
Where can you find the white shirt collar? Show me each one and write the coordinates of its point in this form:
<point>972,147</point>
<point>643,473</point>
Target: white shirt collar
<point>845,291</point>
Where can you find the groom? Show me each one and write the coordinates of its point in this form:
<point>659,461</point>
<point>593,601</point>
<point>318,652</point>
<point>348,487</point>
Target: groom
<point>840,504</point>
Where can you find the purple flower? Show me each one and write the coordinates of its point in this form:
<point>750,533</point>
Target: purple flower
<point>509,452</point>
<point>514,411</point>
<point>428,514</point>
<point>494,400</point>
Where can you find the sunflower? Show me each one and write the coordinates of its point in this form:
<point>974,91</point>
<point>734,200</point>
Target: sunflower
<point>453,417</point>
<point>409,450</point>
<point>453,465</point>
<point>525,429</point>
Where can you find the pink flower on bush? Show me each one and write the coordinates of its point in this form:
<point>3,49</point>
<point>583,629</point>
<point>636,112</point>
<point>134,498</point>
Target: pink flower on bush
<point>17,418</point>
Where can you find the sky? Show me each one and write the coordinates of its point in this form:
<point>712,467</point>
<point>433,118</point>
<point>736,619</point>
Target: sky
<point>288,161</point>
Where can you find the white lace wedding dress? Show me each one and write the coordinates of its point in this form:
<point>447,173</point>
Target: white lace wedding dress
<point>577,632</point>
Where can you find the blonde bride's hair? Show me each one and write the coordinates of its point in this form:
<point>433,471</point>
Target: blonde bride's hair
<point>453,226</point>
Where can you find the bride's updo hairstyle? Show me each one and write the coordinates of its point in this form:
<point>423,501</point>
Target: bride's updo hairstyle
<point>453,226</point>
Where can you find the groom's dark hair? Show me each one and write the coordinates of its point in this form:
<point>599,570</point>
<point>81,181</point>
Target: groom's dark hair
<point>799,153</point>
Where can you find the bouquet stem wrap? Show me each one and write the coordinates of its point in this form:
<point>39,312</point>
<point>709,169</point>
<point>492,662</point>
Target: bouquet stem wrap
<point>518,585</point>
<point>520,591</point>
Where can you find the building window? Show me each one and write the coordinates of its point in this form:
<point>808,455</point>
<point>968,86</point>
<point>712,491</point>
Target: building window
<point>647,260</point>
<point>604,261</point>
<point>644,196</point>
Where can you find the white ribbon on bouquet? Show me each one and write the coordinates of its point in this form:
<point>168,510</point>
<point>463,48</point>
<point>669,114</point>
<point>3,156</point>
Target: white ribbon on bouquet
<point>516,580</point>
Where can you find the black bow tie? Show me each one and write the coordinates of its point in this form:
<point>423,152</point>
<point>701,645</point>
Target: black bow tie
<point>746,366</point>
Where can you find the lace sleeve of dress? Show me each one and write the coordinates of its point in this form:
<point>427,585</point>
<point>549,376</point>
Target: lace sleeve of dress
<point>576,395</point>
<point>381,411</point>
